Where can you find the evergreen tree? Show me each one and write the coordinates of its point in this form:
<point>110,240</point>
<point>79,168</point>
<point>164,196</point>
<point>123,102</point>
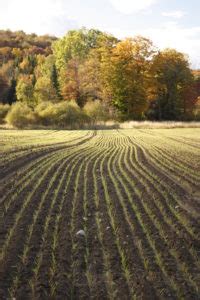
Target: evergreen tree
<point>54,80</point>
<point>11,95</point>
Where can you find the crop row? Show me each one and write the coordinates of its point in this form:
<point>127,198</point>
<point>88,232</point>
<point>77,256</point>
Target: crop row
<point>100,215</point>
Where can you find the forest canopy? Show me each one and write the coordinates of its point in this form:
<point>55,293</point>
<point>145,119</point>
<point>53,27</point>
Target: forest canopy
<point>95,73</point>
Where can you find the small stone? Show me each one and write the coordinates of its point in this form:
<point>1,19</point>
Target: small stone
<point>81,232</point>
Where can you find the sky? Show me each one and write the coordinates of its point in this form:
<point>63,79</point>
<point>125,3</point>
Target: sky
<point>168,23</point>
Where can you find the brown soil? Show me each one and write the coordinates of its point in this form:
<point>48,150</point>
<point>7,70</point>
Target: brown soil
<point>140,238</point>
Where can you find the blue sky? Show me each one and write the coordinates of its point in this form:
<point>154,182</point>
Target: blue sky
<point>169,23</point>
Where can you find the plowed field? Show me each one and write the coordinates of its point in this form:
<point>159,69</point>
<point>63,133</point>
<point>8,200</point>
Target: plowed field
<point>100,214</point>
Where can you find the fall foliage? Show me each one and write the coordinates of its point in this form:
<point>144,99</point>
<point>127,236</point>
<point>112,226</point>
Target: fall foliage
<point>129,77</point>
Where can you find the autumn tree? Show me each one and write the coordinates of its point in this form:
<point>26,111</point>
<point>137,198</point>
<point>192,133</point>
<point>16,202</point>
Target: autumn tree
<point>93,75</point>
<point>128,76</point>
<point>173,77</point>
<point>71,89</point>
<point>25,89</point>
<point>75,57</point>
<point>8,76</point>
<point>28,64</point>
<point>46,86</point>
<point>190,97</point>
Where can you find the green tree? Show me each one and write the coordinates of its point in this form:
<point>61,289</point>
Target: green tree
<point>54,80</point>
<point>77,44</point>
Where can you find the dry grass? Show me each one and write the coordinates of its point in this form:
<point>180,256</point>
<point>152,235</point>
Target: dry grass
<point>158,125</point>
<point>143,124</point>
<point>125,125</point>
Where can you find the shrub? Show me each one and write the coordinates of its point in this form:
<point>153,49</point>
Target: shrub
<point>62,115</point>
<point>4,109</point>
<point>96,111</point>
<point>20,115</point>
<point>46,113</point>
<point>70,115</point>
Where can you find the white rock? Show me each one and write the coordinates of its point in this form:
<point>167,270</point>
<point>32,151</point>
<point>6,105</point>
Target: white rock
<point>81,232</point>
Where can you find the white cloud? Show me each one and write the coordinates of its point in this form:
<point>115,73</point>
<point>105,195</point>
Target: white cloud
<point>132,6</point>
<point>40,16</point>
<point>177,14</point>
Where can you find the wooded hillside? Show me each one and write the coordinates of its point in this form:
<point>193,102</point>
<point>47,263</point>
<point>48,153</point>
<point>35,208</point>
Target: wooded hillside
<point>128,79</point>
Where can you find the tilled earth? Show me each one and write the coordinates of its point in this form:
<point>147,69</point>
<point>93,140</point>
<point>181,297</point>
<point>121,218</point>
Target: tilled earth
<point>100,214</point>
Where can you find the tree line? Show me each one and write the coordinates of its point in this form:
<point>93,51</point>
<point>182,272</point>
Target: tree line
<point>127,79</point>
